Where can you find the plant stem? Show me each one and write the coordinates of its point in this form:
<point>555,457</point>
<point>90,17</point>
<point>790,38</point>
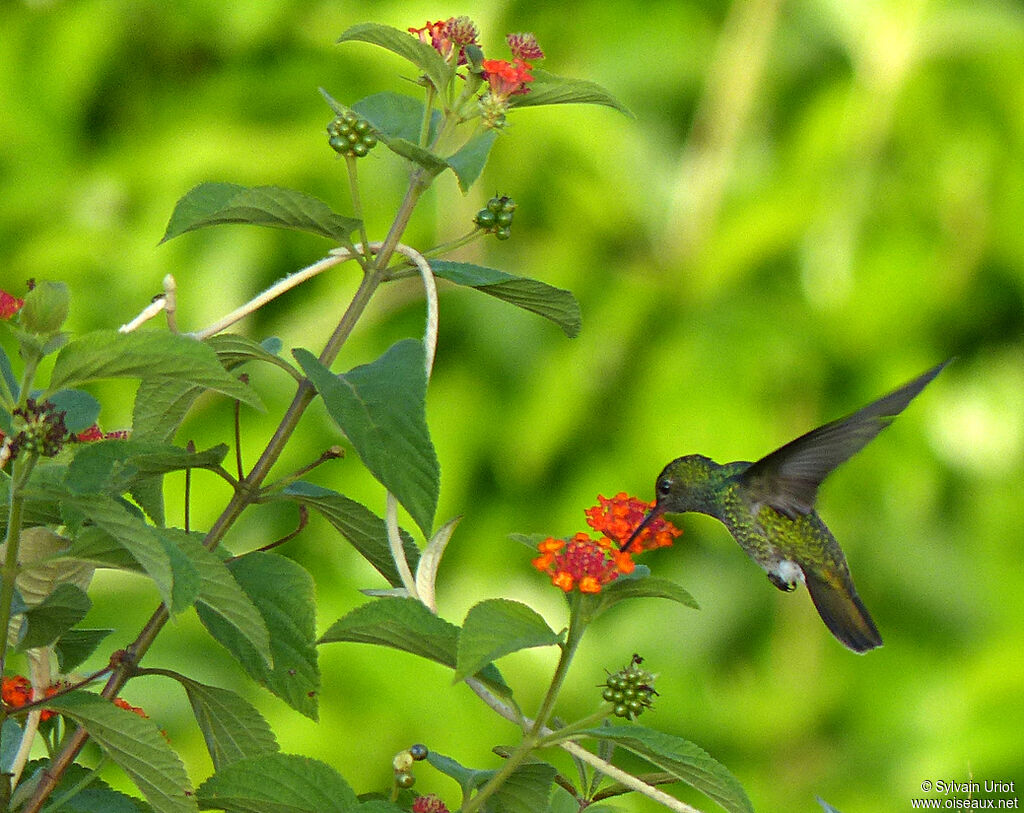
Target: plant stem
<point>248,489</point>
<point>572,640</point>
<point>9,573</point>
<point>357,205</point>
<point>537,731</point>
<point>560,735</point>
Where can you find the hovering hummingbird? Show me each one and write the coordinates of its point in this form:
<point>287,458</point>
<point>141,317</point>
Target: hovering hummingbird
<point>768,507</point>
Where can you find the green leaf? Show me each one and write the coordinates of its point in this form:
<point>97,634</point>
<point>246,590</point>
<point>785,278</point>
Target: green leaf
<point>91,794</point>
<point>10,379</point>
<point>381,409</point>
<point>497,627</point>
<point>527,789</point>
<point>146,354</point>
<point>187,580</point>
<point>221,594</point>
<point>396,120</point>
<point>211,204</point>
<point>136,745</point>
<point>232,727</point>
<point>80,409</point>
<point>395,115</point>
<point>358,524</point>
<point>405,624</point>
<point>469,161</point>
<point>277,783</point>
<point>556,304</point>
<point>283,593</point>
<point>137,538</point>
<point>10,742</point>
<point>114,465</point>
<point>434,164</point>
<point>160,407</point>
<point>681,758</point>
<point>75,645</point>
<point>547,88</point>
<point>408,47</point>
<point>234,350</point>
<point>55,615</point>
<point>647,587</point>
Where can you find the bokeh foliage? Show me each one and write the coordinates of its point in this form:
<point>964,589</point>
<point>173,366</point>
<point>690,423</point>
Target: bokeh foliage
<point>815,201</point>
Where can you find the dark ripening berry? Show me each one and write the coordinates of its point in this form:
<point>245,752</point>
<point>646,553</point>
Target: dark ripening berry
<point>418,751</point>
<point>405,780</point>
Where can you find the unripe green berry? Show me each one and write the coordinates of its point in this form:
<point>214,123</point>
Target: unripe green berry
<point>405,780</point>
<point>504,218</point>
<point>503,233</point>
<point>485,219</point>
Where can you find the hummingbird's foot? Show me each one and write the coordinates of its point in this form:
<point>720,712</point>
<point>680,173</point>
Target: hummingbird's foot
<point>784,584</point>
<point>786,575</point>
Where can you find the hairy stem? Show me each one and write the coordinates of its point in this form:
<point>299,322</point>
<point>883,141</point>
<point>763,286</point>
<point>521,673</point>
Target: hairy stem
<point>248,489</point>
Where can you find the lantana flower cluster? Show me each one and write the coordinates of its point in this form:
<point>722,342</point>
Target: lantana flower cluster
<point>9,305</point>
<point>16,692</point>
<point>588,564</point>
<point>505,78</point>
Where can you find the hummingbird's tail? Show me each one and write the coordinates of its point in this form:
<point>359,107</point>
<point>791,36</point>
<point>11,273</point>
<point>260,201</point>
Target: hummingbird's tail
<point>842,611</point>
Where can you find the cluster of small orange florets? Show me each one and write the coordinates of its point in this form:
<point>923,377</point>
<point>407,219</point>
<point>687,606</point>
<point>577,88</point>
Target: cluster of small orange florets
<point>588,564</point>
<point>16,692</point>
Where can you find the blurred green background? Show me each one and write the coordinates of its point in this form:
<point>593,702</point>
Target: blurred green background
<point>816,201</point>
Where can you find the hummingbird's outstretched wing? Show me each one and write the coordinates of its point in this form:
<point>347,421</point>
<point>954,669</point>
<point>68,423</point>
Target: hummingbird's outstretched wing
<point>788,478</point>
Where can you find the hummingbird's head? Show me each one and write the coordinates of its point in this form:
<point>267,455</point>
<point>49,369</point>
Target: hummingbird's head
<point>683,485</point>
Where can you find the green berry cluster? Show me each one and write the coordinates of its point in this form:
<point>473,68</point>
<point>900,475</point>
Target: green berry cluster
<point>496,217</point>
<point>351,135</point>
<point>630,690</point>
<point>402,763</point>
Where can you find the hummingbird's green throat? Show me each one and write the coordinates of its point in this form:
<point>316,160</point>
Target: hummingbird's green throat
<point>768,507</point>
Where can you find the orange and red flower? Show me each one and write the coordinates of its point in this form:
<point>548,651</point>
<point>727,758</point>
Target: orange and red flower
<point>9,305</point>
<point>506,78</point>
<point>524,46</point>
<point>94,433</point>
<point>583,563</point>
<point>620,515</point>
<point>429,804</point>
<point>124,704</point>
<point>17,692</point>
<point>449,37</point>
<point>589,564</point>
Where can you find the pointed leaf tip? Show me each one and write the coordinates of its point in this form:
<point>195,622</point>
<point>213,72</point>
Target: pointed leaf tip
<point>498,627</point>
<point>211,204</point>
<point>381,408</point>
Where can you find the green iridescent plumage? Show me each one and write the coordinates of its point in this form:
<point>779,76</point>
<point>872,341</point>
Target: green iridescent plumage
<point>768,507</point>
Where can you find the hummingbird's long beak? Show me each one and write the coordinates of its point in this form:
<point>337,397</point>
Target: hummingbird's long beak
<point>652,515</point>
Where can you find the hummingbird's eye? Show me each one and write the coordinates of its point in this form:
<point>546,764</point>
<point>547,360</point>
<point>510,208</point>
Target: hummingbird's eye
<point>664,487</point>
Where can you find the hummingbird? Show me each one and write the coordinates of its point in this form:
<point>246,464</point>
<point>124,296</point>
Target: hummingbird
<point>768,507</point>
